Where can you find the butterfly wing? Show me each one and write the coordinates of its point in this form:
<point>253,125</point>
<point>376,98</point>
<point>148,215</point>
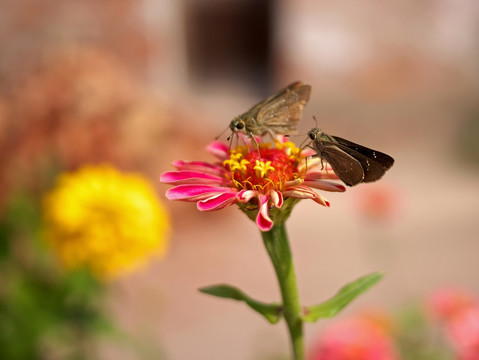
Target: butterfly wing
<point>383,159</point>
<point>281,112</point>
<point>373,169</point>
<point>348,169</point>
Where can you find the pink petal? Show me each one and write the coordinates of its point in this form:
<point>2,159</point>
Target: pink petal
<point>277,198</point>
<point>246,195</point>
<point>217,202</point>
<point>282,138</point>
<point>292,183</point>
<point>263,220</point>
<point>328,173</point>
<point>195,192</point>
<point>201,166</point>
<point>308,152</point>
<point>304,192</point>
<point>298,193</point>
<point>219,149</point>
<point>191,177</point>
<point>324,185</point>
<point>321,201</point>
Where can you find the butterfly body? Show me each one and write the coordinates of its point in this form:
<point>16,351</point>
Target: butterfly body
<point>351,162</point>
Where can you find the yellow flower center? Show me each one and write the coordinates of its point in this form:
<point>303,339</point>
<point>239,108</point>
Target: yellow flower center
<point>264,169</point>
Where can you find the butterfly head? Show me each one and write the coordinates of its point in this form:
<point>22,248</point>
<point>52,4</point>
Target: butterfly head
<point>237,125</point>
<point>314,134</point>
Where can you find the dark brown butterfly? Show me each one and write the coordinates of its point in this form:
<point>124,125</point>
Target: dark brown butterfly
<point>352,163</point>
<point>278,114</point>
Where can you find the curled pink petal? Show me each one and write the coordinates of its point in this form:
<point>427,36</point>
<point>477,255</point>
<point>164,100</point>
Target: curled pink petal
<point>263,220</point>
<point>217,202</point>
<point>321,200</point>
<point>304,192</point>
<point>246,195</point>
<point>192,177</point>
<point>324,185</point>
<point>219,149</point>
<point>195,192</point>
<point>276,198</point>
<point>200,166</point>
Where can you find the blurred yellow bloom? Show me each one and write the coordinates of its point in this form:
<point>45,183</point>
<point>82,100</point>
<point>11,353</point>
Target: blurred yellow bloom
<point>107,221</point>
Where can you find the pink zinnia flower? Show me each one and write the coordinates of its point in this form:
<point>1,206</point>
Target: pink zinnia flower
<point>256,179</point>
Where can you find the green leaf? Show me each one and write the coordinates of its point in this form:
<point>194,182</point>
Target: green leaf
<point>345,295</point>
<point>272,312</point>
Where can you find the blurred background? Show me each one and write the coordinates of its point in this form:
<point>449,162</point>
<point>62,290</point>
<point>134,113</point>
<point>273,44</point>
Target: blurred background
<point>141,83</point>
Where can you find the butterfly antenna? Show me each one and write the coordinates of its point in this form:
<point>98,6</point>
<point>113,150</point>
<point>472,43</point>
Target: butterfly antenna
<point>216,138</point>
<point>315,121</point>
<point>297,135</point>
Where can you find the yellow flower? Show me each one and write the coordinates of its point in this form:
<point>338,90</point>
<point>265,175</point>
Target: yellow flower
<point>107,221</point>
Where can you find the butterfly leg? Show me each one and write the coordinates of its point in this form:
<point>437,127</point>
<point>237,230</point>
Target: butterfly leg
<point>302,146</point>
<point>254,142</point>
<point>230,138</point>
<point>275,137</point>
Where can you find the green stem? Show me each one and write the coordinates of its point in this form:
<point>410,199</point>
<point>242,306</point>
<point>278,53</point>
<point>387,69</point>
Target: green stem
<point>277,245</point>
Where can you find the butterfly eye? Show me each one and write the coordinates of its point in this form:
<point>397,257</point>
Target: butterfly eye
<point>312,135</point>
<point>239,125</point>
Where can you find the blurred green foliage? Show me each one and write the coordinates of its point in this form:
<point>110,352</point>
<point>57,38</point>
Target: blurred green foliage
<point>467,143</point>
<point>418,338</point>
<point>45,312</point>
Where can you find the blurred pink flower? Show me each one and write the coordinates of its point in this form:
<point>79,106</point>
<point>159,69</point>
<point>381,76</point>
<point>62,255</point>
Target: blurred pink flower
<point>380,203</point>
<point>458,310</point>
<point>359,338</point>
<point>260,179</point>
<point>463,333</point>
<point>447,303</point>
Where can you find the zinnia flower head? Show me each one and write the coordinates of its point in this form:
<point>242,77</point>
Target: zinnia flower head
<point>265,182</point>
<point>107,221</point>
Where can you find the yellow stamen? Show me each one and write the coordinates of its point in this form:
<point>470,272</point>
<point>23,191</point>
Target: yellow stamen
<point>234,164</point>
<point>262,168</point>
<point>242,165</point>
